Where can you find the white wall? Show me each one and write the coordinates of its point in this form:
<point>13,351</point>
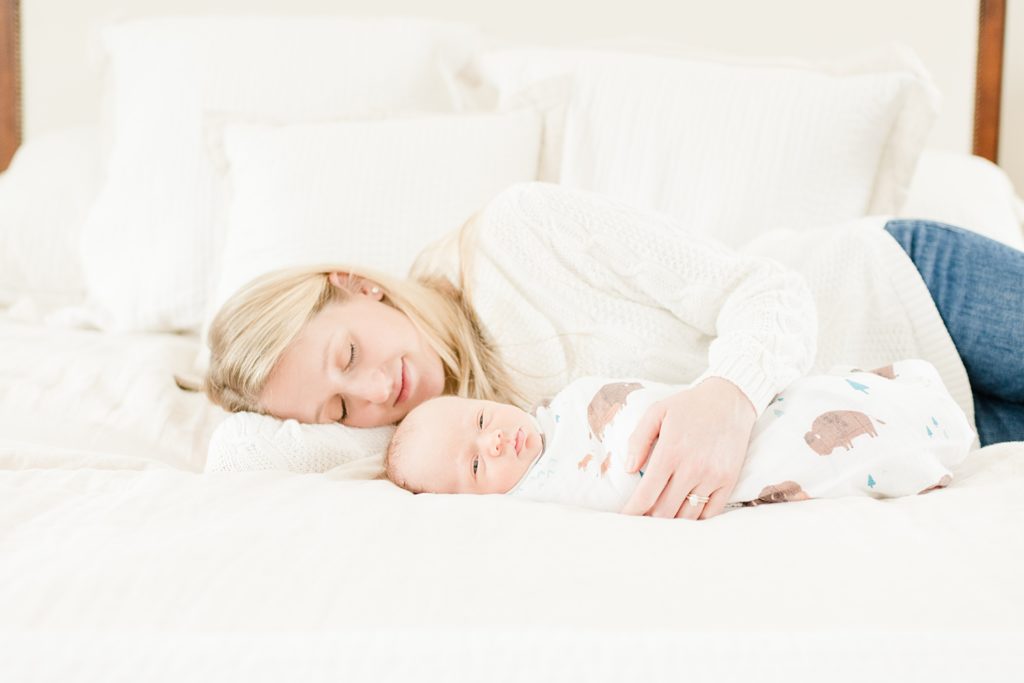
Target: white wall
<point>62,69</point>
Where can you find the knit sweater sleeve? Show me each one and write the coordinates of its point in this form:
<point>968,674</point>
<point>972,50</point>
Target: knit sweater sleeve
<point>761,315</point>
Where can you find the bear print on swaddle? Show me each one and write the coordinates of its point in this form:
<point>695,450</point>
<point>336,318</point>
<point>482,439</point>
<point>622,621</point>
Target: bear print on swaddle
<point>841,426</point>
<point>607,403</point>
<point>891,431</point>
<point>837,428</point>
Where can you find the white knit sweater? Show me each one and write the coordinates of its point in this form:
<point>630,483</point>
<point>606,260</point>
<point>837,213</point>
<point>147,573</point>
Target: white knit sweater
<point>569,283</point>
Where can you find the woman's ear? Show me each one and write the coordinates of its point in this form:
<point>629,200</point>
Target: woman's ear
<point>356,285</point>
<point>341,280</point>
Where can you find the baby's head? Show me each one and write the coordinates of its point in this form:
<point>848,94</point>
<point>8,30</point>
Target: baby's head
<point>461,445</point>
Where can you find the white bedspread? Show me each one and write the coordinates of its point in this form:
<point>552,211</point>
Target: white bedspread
<point>155,573</point>
<point>120,562</point>
<point>89,392</point>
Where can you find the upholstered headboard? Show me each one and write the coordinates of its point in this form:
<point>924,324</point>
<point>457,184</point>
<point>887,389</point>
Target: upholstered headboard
<point>988,82</point>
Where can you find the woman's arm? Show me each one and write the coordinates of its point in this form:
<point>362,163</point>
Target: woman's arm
<point>762,318</point>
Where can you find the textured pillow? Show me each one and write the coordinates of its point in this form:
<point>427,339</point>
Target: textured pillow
<point>732,148</point>
<point>249,441</point>
<point>967,191</point>
<point>366,193</point>
<point>369,193</point>
<point>150,243</point>
<point>44,197</point>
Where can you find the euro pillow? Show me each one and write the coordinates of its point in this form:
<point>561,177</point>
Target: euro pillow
<point>45,195</point>
<point>733,148</point>
<point>366,193</point>
<point>151,244</point>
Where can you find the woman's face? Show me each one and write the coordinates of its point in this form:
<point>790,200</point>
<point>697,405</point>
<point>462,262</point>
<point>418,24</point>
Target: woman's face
<point>360,362</point>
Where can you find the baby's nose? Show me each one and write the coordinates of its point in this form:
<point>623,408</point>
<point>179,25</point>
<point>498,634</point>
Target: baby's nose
<point>495,443</point>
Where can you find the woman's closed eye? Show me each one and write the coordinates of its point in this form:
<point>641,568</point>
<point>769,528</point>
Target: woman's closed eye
<point>348,366</point>
<point>476,464</point>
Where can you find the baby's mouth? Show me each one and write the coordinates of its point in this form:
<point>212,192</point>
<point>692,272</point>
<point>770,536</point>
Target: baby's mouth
<point>520,440</point>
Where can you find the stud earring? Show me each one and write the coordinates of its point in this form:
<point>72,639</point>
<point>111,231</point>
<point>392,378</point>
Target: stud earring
<point>375,290</point>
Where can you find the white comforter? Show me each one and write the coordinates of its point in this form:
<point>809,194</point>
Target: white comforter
<point>155,573</point>
<point>101,393</point>
<point>120,562</point>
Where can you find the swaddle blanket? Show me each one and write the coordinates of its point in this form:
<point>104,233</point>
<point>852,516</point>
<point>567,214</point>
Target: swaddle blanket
<point>892,431</point>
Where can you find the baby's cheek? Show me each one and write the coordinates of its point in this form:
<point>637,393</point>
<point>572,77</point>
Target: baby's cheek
<point>508,479</point>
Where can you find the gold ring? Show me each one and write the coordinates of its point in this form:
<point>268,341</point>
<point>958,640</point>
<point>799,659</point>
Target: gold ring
<point>697,500</point>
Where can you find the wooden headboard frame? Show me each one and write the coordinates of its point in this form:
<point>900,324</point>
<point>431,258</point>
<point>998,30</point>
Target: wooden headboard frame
<point>987,90</point>
<point>10,80</point>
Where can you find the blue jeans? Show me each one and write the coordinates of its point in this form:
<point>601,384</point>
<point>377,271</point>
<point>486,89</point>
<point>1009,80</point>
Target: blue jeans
<point>978,287</point>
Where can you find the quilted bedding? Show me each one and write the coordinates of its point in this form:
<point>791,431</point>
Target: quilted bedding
<point>119,560</point>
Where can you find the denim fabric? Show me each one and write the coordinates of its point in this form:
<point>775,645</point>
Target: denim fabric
<point>978,287</point>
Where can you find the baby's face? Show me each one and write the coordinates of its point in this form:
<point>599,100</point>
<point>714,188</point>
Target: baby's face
<point>460,445</point>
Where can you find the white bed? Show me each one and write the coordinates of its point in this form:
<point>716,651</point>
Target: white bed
<point>121,560</point>
<point>113,573</point>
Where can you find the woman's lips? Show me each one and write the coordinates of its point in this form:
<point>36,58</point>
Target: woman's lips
<point>404,392</point>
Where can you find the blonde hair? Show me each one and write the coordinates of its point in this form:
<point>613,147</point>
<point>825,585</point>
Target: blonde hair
<point>254,327</point>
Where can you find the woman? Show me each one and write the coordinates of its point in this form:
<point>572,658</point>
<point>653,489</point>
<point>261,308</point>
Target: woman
<point>556,283</point>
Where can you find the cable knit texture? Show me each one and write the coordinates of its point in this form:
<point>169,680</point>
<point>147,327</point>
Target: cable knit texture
<point>249,441</point>
<point>569,283</point>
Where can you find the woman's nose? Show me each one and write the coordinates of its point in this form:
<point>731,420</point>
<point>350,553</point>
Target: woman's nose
<point>373,386</point>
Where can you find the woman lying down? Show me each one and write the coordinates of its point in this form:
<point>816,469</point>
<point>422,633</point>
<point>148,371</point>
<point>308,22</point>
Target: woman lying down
<point>893,431</point>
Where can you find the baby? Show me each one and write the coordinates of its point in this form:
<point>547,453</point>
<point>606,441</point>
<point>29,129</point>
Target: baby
<point>893,431</point>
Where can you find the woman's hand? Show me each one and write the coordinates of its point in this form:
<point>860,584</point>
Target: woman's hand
<point>699,438</point>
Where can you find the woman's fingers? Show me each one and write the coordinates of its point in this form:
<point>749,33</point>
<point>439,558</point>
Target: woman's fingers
<point>673,497</point>
<point>647,491</point>
<point>718,502</point>
<point>642,440</point>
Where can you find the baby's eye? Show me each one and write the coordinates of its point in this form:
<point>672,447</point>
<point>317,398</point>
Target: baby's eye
<point>476,464</point>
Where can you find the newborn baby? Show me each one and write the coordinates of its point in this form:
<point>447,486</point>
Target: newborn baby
<point>893,431</point>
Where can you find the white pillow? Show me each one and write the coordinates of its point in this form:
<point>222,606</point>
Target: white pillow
<point>732,148</point>
<point>366,193</point>
<point>250,441</point>
<point>150,244</point>
<point>966,191</point>
<point>44,197</point>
